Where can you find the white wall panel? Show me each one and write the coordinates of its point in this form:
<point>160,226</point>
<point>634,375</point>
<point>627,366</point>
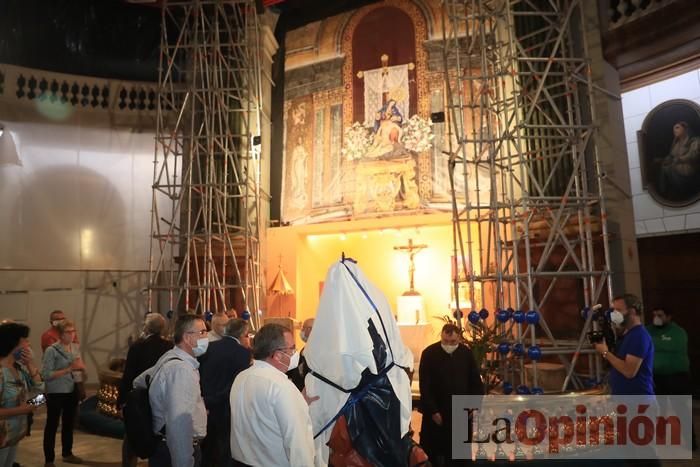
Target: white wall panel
<point>80,200</point>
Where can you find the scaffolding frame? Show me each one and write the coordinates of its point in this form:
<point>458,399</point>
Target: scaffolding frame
<point>206,225</point>
<point>524,168</point>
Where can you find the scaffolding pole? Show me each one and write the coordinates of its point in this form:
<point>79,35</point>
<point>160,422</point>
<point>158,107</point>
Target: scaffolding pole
<point>528,205</point>
<point>206,226</point>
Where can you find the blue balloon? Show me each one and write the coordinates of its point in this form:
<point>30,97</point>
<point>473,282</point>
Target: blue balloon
<point>584,313</point>
<point>507,388</point>
<point>537,390</point>
<point>170,314</point>
<point>502,316</point>
<point>245,315</point>
<point>518,349</point>
<point>458,315</point>
<point>534,352</point>
<point>522,390</point>
<point>473,317</point>
<point>532,317</point>
<point>503,348</point>
<point>483,313</point>
<point>519,316</point>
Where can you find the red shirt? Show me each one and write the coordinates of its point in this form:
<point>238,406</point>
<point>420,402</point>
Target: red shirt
<point>51,336</point>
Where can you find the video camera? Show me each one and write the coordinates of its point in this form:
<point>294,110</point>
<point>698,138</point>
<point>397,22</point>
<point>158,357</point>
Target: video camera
<point>601,327</point>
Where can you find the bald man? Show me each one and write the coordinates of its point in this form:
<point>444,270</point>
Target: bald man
<point>298,374</point>
<point>218,326</point>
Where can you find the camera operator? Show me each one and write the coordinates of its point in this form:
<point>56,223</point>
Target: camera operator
<point>632,361</point>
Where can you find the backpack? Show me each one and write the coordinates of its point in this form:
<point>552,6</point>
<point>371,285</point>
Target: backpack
<point>138,419</point>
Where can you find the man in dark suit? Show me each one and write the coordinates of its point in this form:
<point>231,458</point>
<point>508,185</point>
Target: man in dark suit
<point>218,368</point>
<point>142,355</point>
<point>447,368</point>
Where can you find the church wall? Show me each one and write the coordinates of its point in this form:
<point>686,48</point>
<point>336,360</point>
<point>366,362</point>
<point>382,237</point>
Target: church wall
<point>76,203</point>
<point>76,168</point>
<point>651,217</point>
<point>350,69</point>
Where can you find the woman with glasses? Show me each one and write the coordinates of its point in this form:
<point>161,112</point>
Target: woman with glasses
<point>62,370</point>
<point>19,378</point>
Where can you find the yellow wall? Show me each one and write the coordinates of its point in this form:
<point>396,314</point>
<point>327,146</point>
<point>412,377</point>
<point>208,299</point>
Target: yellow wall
<point>308,251</point>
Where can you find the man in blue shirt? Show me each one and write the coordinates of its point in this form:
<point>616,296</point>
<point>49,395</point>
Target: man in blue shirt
<point>632,363</point>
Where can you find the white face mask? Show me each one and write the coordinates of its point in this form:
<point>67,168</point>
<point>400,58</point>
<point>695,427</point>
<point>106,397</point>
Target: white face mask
<point>56,322</point>
<point>617,318</point>
<point>304,337</point>
<point>449,348</point>
<point>658,322</point>
<point>201,348</point>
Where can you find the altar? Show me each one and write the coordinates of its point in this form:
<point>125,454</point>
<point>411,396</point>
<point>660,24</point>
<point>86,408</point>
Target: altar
<point>385,185</point>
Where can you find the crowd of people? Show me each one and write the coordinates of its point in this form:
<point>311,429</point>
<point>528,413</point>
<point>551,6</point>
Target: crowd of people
<point>222,398</point>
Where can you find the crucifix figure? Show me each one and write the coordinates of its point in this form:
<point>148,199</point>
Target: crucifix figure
<point>412,250</point>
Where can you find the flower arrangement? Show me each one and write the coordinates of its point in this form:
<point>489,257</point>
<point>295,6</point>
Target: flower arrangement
<point>357,140</point>
<point>418,134</point>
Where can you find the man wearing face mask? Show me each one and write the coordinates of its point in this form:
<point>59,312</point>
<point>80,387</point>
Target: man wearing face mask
<point>218,369</point>
<point>298,374</point>
<point>632,362</point>
<point>446,368</point>
<point>176,400</point>
<point>270,422</point>
<point>671,362</point>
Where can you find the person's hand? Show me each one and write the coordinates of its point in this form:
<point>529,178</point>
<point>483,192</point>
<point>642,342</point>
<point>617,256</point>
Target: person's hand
<point>309,400</point>
<point>437,418</point>
<point>27,408</point>
<point>26,357</point>
<point>77,365</point>
<point>601,347</point>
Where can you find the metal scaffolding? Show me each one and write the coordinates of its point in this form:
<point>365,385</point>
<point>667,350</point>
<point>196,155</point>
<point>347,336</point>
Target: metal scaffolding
<point>528,205</point>
<point>206,223</point>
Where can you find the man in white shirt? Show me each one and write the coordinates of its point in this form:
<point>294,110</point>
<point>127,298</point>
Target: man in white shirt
<point>175,396</point>
<point>270,423</point>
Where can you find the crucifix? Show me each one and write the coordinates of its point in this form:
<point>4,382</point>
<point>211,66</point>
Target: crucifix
<point>412,250</point>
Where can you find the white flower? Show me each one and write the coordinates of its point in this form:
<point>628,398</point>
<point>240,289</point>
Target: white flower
<point>418,134</point>
<point>357,139</point>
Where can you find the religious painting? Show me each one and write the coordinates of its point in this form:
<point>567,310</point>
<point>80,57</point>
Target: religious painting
<point>358,135</point>
<point>385,135</point>
<point>298,160</point>
<point>669,153</point>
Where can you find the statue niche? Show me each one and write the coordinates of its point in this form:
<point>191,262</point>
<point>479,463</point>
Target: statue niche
<point>384,97</point>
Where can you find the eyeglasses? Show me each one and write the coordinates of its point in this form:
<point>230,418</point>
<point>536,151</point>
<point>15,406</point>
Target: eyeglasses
<point>203,332</point>
<point>282,349</point>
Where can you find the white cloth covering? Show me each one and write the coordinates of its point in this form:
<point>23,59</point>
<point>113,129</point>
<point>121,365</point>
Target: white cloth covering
<point>270,423</point>
<point>340,348</point>
<point>392,81</point>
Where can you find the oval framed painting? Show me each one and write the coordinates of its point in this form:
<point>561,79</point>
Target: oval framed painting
<point>669,152</point>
